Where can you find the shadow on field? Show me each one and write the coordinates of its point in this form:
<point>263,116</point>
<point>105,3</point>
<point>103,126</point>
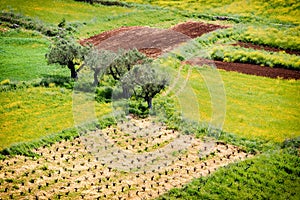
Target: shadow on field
<point>57,80</point>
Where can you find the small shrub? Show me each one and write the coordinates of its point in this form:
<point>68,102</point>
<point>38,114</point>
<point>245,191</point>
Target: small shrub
<point>104,94</point>
<point>5,82</point>
<point>139,109</point>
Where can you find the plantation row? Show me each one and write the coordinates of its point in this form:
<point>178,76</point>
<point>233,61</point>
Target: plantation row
<point>67,169</point>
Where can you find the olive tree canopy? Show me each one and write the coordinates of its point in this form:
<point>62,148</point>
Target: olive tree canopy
<point>66,52</point>
<point>144,81</point>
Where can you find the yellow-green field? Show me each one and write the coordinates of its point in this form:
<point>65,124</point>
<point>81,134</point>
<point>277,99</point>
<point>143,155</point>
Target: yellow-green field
<point>91,19</point>
<point>28,114</point>
<point>287,11</point>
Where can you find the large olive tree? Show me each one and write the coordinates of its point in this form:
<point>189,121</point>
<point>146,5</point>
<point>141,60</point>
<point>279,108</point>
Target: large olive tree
<point>144,81</point>
<point>66,52</point>
<point>125,61</point>
<point>98,60</point>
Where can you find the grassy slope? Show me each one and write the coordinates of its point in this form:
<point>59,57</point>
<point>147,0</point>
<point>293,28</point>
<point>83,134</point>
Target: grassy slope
<point>268,176</point>
<point>246,98</point>
<point>256,107</point>
<point>28,114</point>
<point>97,18</point>
<point>22,56</point>
<point>286,11</point>
<point>262,107</point>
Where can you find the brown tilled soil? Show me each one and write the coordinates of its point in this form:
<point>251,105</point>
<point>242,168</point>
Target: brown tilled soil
<point>145,38</point>
<point>248,68</point>
<point>151,41</point>
<point>155,42</point>
<point>97,39</point>
<point>195,29</point>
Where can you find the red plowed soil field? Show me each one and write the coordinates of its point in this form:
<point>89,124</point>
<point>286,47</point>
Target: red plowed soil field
<point>155,42</point>
<point>151,41</point>
<point>97,39</point>
<point>196,29</point>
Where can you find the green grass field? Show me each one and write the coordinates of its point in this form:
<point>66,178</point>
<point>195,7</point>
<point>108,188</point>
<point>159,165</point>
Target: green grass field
<point>28,114</point>
<point>257,108</point>
<point>23,57</point>
<point>267,176</point>
<point>92,19</point>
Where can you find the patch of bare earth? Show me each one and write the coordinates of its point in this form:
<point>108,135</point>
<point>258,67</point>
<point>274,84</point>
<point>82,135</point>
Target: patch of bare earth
<point>196,29</point>
<point>151,41</point>
<point>97,39</point>
<point>68,170</point>
<point>157,41</point>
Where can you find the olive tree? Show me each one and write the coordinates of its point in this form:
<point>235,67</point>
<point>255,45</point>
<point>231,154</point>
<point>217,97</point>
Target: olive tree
<point>66,52</point>
<point>144,82</point>
<point>98,60</point>
<point>124,62</point>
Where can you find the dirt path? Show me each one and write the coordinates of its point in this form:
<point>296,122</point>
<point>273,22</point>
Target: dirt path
<point>155,42</point>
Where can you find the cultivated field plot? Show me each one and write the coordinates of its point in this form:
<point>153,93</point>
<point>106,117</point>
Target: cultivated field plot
<point>156,42</point>
<point>174,99</point>
<point>79,169</point>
